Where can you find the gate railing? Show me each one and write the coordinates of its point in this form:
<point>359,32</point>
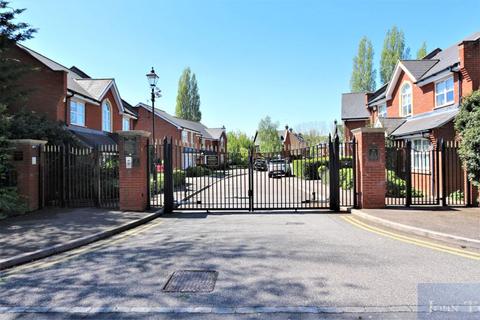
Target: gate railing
<point>195,178</point>
<point>79,176</point>
<point>429,175</point>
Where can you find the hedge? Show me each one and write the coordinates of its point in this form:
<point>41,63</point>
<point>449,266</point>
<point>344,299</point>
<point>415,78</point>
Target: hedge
<point>309,168</point>
<point>178,180</point>
<point>197,171</point>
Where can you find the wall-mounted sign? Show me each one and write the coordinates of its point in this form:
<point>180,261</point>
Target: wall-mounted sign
<point>34,160</point>
<point>130,146</point>
<point>211,160</point>
<point>373,153</point>
<point>128,162</point>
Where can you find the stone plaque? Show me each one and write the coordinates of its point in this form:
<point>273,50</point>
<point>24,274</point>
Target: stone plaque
<point>373,153</point>
<point>130,146</point>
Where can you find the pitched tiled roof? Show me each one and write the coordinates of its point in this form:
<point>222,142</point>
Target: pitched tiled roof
<point>91,137</point>
<point>391,124</point>
<point>353,106</point>
<point>426,121</point>
<point>418,67</point>
<point>96,88</point>
<point>378,95</point>
<point>129,108</point>
<point>209,133</point>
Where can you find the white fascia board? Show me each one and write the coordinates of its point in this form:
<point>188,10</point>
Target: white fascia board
<point>443,74</point>
<point>83,98</point>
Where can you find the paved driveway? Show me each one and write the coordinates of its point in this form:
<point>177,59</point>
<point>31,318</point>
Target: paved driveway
<point>266,260</point>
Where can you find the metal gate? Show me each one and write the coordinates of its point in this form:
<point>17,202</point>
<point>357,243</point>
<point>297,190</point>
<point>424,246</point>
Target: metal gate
<point>321,176</point>
<point>428,176</point>
<point>79,176</point>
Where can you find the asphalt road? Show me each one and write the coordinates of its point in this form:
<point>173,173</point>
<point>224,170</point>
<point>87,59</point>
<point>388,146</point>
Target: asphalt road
<point>306,263</point>
<point>278,192</point>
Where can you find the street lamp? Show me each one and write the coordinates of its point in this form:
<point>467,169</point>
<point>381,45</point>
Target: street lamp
<point>152,81</point>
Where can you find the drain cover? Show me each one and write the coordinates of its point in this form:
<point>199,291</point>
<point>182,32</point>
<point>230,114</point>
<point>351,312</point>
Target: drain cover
<point>191,281</point>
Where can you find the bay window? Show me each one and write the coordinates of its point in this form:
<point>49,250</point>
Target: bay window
<point>77,113</point>
<point>444,92</point>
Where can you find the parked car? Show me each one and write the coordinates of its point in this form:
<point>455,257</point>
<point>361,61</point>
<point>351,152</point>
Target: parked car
<point>260,165</point>
<point>279,167</point>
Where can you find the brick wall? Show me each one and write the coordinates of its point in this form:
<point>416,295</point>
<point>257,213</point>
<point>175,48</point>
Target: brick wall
<point>45,89</point>
<point>423,98</point>
<point>353,124</point>
<point>162,127</point>
<point>469,54</point>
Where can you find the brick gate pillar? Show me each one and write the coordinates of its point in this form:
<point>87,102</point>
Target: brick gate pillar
<point>26,161</point>
<point>371,180</point>
<point>133,171</point>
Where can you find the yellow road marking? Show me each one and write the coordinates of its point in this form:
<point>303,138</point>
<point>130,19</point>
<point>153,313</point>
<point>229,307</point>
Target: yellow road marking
<point>422,243</point>
<point>95,246</point>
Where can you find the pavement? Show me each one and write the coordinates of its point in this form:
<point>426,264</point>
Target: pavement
<point>270,266</point>
<point>452,224</point>
<point>51,230</point>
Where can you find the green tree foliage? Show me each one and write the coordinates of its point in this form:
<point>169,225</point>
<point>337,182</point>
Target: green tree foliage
<point>394,49</point>
<point>188,97</point>
<point>182,109</point>
<point>268,139</point>
<point>363,74</point>
<point>238,146</point>
<point>11,31</point>
<point>467,124</point>
<point>195,100</point>
<point>422,51</point>
<point>30,125</point>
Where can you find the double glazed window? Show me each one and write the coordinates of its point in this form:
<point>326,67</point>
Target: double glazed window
<point>444,92</point>
<point>421,149</point>
<point>106,116</point>
<point>77,113</point>
<point>406,100</point>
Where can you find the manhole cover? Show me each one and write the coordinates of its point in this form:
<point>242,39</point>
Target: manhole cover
<point>191,281</point>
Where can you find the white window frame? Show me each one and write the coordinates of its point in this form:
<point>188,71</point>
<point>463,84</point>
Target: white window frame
<point>74,113</point>
<point>126,124</point>
<point>421,155</point>
<point>445,92</point>
<point>110,115</point>
<point>382,114</point>
<point>184,136</point>
<point>402,98</point>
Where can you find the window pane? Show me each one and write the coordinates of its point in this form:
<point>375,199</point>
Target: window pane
<point>440,99</point>
<point>449,84</point>
<point>440,87</point>
<point>449,96</point>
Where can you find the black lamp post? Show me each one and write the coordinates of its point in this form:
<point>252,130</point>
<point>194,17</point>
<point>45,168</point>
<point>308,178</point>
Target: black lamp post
<point>152,81</point>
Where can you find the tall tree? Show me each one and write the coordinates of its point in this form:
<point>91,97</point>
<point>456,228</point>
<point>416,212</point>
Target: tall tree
<point>11,32</point>
<point>422,51</point>
<point>268,138</point>
<point>394,49</point>
<point>196,114</point>
<point>183,109</point>
<point>239,145</point>
<point>363,74</point>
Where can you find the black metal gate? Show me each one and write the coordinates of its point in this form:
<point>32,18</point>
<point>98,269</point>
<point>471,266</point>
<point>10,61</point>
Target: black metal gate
<point>79,176</point>
<point>425,176</point>
<point>314,177</point>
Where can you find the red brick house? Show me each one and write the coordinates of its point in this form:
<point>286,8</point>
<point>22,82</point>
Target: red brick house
<point>90,108</point>
<point>197,139</point>
<point>291,140</point>
<point>421,100</point>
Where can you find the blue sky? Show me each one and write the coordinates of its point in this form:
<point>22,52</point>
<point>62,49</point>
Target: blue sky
<point>287,59</point>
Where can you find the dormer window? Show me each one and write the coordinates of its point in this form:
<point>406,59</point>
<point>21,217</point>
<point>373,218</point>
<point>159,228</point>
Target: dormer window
<point>444,92</point>
<point>406,100</point>
<point>106,116</point>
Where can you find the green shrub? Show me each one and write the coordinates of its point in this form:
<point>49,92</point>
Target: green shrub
<point>346,178</point>
<point>397,187</point>
<point>308,168</point>
<point>346,162</point>
<point>178,181</point>
<point>11,203</point>
<point>197,171</point>
<point>457,195</point>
